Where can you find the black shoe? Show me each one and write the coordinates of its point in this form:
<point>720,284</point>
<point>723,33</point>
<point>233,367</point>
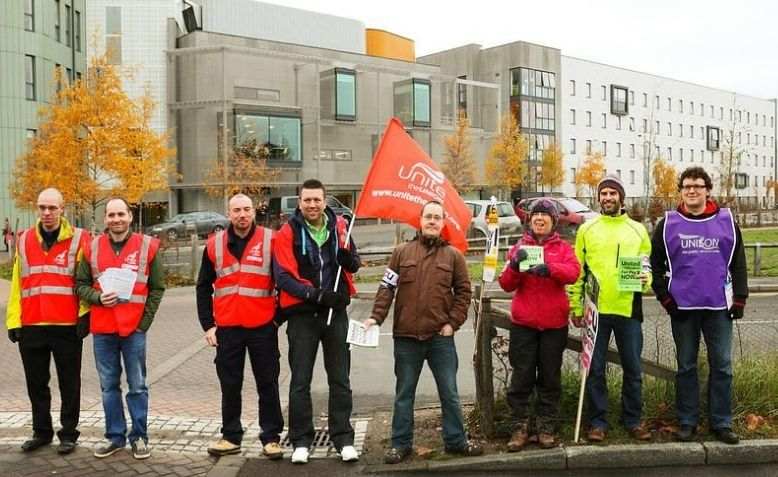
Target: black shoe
<point>470,449</point>
<point>726,435</point>
<point>66,447</point>
<point>396,455</point>
<point>686,433</point>
<point>108,448</point>
<point>35,443</point>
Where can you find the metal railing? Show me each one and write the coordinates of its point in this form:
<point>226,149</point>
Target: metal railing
<point>757,269</point>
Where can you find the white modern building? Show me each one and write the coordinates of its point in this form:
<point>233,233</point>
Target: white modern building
<point>632,118</point>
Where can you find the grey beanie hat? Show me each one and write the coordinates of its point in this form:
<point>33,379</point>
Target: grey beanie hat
<point>613,182</point>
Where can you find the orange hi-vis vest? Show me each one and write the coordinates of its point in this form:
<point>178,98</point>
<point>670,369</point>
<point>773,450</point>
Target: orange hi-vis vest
<point>137,255</point>
<point>48,279</point>
<point>243,290</point>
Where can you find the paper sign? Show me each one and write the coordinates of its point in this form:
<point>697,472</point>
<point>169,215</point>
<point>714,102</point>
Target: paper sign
<point>588,333</point>
<point>359,336</point>
<point>629,272</point>
<point>534,257</point>
<point>119,280</point>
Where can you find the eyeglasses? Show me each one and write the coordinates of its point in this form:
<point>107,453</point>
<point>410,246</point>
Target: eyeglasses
<point>691,187</point>
<point>436,218</point>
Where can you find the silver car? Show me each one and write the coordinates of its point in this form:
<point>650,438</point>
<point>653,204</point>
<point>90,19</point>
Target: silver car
<point>183,225</point>
<point>509,223</point>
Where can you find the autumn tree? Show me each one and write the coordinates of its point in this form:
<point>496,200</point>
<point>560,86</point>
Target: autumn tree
<point>732,149</point>
<point>94,142</point>
<point>552,174</point>
<point>506,165</point>
<point>590,174</point>
<point>665,182</point>
<point>458,165</point>
<point>244,169</point>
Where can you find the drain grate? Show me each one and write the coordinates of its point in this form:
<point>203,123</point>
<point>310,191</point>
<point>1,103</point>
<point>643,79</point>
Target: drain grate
<point>321,446</point>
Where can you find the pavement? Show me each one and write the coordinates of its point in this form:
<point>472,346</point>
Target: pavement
<point>185,413</point>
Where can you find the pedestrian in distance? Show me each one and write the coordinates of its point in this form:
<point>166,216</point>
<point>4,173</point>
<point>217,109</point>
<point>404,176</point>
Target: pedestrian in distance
<point>119,325</point>
<point>428,281</point>
<point>235,305</point>
<point>45,318</point>
<point>538,333</point>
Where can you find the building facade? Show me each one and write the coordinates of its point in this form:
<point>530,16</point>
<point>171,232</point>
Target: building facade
<point>36,37</point>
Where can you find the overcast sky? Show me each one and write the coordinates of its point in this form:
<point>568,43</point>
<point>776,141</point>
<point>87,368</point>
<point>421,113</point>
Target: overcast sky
<point>731,45</point>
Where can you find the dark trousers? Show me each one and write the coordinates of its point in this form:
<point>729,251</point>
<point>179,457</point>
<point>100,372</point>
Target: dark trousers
<point>536,359</point>
<point>305,331</point>
<point>37,345</point>
<point>262,346</point>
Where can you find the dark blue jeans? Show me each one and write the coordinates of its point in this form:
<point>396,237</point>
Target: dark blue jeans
<point>304,332</point>
<point>110,351</point>
<point>629,341</point>
<point>716,328</point>
<point>441,355</point>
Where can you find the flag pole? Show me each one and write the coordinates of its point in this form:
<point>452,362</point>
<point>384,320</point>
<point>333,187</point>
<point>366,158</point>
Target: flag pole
<point>580,404</point>
<point>337,277</point>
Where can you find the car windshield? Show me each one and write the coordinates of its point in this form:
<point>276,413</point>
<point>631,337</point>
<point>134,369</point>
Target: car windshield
<point>179,218</point>
<point>574,206</point>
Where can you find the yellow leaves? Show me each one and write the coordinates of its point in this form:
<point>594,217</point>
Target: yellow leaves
<point>665,181</point>
<point>458,165</point>
<point>754,422</point>
<point>94,142</point>
<point>552,174</point>
<point>506,165</point>
<point>591,172</point>
<point>247,171</point>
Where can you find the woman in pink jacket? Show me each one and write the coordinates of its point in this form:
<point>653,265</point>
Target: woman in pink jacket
<point>538,334</point>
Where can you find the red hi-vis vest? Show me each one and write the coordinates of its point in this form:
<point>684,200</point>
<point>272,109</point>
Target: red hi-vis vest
<point>48,283</point>
<point>137,255</point>
<point>243,290</point>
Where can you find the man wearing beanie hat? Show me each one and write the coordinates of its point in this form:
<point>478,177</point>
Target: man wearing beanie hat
<point>598,245</point>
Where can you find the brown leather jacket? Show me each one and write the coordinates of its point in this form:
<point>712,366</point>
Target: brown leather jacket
<point>433,288</point>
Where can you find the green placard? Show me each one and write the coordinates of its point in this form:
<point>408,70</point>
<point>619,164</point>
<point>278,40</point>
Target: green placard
<point>534,257</point>
<point>629,272</point>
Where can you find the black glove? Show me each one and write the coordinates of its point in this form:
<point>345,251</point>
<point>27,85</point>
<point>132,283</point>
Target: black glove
<point>15,335</point>
<point>82,326</point>
<point>669,304</point>
<point>327,298</point>
<point>736,311</point>
<point>517,258</point>
<point>540,270</point>
<point>347,261</point>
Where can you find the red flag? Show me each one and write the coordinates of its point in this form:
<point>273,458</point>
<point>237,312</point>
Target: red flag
<point>403,178</point>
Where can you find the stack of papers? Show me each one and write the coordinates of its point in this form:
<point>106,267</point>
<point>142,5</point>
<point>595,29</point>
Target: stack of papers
<point>359,336</point>
<point>119,280</point>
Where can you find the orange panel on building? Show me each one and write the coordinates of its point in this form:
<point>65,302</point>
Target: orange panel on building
<point>388,45</point>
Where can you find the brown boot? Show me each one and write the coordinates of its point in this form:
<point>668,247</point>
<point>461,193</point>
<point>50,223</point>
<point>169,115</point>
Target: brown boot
<point>518,440</point>
<point>640,433</point>
<point>596,434</point>
<point>546,440</point>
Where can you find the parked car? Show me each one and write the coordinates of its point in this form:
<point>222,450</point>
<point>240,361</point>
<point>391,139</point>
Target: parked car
<point>281,208</point>
<point>572,213</point>
<point>509,222</point>
<point>183,225</point>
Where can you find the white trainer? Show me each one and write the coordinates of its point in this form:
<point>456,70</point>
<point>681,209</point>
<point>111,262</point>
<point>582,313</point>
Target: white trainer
<point>300,455</point>
<point>349,454</point>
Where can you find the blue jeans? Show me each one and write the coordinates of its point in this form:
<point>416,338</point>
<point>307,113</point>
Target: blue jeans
<point>716,328</point>
<point>441,355</point>
<point>629,341</point>
<point>110,351</point>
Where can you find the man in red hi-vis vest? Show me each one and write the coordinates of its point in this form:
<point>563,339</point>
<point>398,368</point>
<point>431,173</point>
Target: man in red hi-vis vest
<point>120,317</point>
<point>235,305</point>
<point>43,317</point>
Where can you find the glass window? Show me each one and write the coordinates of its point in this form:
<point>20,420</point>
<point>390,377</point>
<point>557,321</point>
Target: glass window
<point>605,148</point>
<point>421,103</point>
<point>618,149</point>
<point>631,151</point>
<point>515,81</point>
<point>619,100</point>
<point>29,77</point>
<point>572,145</point>
<point>68,25</point>
<point>604,120</point>
<point>645,100</point>
<point>572,116</point>
<point>462,96</point>
<point>57,21</point>
<point>713,138</point>
<point>632,176</point>
<point>632,98</point>
<point>589,118</point>
<point>604,92</point>
<point>345,95</point>
<point>572,87</point>
<point>29,15</point>
<point>77,25</point>
<point>278,136</point>
<point>588,90</point>
<point>31,133</point>
<point>680,105</point>
<point>113,35</point>
<point>588,146</point>
<point>669,128</point>
<point>669,104</point>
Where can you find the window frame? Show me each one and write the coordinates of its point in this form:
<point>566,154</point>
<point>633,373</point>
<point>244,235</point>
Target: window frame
<point>353,74</point>
<point>30,83</point>
<point>29,15</point>
<point>615,101</point>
